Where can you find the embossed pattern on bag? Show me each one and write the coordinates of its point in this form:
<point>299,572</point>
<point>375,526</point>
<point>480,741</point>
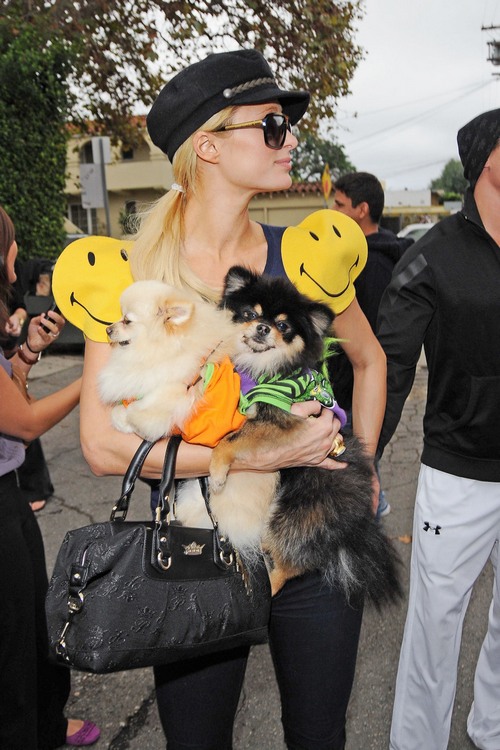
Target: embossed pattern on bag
<point>127,594</point>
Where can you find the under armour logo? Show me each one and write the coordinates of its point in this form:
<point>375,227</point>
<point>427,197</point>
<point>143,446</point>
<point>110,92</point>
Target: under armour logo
<point>435,529</point>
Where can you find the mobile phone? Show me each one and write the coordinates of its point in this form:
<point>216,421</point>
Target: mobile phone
<point>52,308</point>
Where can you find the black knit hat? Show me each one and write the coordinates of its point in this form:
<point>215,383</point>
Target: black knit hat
<point>476,141</point>
<point>221,80</point>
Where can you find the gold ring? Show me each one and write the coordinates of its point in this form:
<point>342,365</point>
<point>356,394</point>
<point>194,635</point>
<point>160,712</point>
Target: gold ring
<point>338,446</point>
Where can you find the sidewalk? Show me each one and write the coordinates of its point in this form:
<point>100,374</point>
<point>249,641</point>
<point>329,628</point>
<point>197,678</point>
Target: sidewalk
<point>123,704</point>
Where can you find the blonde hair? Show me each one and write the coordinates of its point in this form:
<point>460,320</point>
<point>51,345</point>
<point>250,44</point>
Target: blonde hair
<point>158,242</point>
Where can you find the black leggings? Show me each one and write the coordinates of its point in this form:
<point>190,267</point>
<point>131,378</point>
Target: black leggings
<point>314,638</point>
<point>33,691</point>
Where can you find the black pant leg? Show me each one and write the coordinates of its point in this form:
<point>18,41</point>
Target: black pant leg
<point>53,680</point>
<point>27,695</point>
<point>197,700</point>
<point>314,637</point>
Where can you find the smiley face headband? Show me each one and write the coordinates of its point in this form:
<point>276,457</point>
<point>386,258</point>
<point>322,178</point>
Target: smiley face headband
<point>88,279</point>
<point>324,255</point>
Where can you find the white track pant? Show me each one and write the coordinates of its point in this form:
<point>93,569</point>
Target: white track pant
<point>444,567</point>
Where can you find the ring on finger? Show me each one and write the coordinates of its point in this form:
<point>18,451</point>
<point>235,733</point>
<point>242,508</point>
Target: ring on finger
<point>338,446</point>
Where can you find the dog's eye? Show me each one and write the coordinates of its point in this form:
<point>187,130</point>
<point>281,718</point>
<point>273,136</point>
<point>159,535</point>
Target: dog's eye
<point>126,321</point>
<point>248,314</point>
<point>282,326</point>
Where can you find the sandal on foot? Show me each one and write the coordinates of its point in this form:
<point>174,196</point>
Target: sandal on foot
<point>86,735</point>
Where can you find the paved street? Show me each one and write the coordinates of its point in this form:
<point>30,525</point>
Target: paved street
<point>123,704</point>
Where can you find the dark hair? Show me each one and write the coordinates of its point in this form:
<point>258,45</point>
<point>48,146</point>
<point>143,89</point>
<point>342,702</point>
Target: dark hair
<point>363,187</point>
<point>7,237</point>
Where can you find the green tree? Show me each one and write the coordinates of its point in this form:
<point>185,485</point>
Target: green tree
<point>311,155</point>
<point>105,60</point>
<point>452,180</point>
<point>33,138</point>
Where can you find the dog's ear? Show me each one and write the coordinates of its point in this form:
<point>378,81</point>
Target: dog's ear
<point>175,313</point>
<point>321,317</point>
<point>236,278</point>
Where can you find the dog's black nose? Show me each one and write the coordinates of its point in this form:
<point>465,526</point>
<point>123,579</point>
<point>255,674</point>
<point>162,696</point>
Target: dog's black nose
<point>109,330</point>
<point>263,329</point>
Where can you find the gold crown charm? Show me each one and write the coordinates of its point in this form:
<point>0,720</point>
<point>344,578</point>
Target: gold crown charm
<point>193,548</point>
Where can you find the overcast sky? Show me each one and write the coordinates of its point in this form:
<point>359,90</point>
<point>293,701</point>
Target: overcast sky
<point>425,74</point>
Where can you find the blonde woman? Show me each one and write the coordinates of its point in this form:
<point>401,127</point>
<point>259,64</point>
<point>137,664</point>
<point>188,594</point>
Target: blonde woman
<point>226,126</point>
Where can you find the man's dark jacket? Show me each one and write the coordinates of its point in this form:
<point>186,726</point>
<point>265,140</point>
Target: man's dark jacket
<point>445,294</point>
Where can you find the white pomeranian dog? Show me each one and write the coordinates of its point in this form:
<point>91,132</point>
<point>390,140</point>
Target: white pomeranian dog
<point>154,376</point>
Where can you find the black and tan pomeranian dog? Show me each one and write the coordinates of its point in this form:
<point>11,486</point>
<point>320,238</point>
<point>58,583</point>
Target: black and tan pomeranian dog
<point>310,518</point>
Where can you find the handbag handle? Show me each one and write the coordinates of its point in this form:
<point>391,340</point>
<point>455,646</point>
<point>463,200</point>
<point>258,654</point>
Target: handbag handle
<point>226,549</point>
<point>134,469</point>
<point>165,491</point>
<point>166,487</point>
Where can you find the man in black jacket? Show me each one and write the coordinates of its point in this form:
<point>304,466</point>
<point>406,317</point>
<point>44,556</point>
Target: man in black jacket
<point>361,196</point>
<point>445,295</point>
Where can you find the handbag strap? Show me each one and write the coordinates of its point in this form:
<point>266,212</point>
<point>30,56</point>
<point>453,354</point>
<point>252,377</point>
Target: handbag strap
<point>205,491</point>
<point>167,483</point>
<point>166,488</point>
<point>128,484</point>
<point>166,491</point>
<point>226,549</point>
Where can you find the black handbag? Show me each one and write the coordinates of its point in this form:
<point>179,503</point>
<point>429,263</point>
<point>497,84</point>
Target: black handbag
<point>127,594</point>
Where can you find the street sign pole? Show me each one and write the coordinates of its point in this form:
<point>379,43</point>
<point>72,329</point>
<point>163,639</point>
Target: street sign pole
<point>104,186</point>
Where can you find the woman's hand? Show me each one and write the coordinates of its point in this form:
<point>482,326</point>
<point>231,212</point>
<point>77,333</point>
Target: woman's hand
<point>314,412</point>
<point>37,338</point>
<point>15,323</point>
<point>308,446</point>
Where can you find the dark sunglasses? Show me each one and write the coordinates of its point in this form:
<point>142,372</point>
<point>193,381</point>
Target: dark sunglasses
<point>274,127</point>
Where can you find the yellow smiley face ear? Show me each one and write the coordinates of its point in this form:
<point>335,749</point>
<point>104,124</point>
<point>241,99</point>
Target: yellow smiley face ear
<point>88,279</point>
<point>324,255</point>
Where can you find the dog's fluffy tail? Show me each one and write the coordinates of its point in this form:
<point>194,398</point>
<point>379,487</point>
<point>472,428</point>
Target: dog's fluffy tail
<point>323,521</point>
<point>371,571</point>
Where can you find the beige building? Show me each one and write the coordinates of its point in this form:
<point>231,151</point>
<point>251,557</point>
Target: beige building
<point>136,177</point>
<point>133,177</point>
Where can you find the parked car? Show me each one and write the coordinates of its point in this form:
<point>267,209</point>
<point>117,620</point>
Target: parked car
<point>415,231</point>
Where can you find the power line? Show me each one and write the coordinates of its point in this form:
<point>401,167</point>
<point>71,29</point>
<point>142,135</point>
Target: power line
<point>462,89</point>
<point>414,118</point>
<point>418,167</point>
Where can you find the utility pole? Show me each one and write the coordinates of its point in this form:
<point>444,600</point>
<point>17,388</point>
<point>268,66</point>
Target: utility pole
<point>93,178</point>
<point>493,47</point>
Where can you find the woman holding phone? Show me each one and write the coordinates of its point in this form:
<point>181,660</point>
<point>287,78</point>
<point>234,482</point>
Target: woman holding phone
<point>33,691</point>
